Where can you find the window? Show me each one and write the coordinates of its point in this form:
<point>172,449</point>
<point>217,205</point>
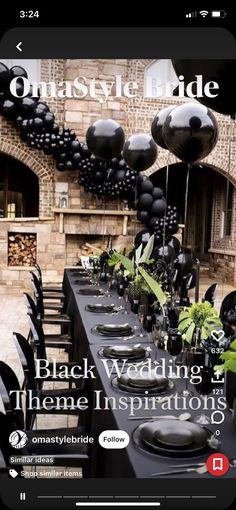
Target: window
<point>227,213</point>
<point>159,74</point>
<point>32,67</point>
<point>19,189</point>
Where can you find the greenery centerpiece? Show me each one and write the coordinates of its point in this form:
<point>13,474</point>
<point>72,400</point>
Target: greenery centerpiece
<point>199,318</point>
<point>136,270</point>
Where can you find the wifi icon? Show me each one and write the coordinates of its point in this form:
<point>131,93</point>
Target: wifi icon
<point>203,13</point>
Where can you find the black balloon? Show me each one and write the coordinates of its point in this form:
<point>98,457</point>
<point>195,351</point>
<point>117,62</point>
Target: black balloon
<point>153,221</point>
<point>75,146</point>
<point>146,186</point>
<point>105,139</point>
<point>145,202</point>
<point>18,71</point>
<point>159,207</point>
<point>157,125</point>
<point>76,158</point>
<point>119,175</point>
<point>27,105</point>
<point>5,77</point>
<point>8,109</point>
<point>140,152</point>
<point>175,243</point>
<point>167,253</point>
<point>184,263</point>
<point>157,193</point>
<point>190,132</point>
<point>38,124</point>
<point>143,216</point>
<point>142,237</point>
<point>219,71</point>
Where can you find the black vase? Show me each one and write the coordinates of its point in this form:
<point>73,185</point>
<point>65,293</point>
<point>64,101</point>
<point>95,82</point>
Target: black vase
<point>230,388</point>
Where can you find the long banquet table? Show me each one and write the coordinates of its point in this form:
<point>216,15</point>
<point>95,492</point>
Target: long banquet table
<point>130,461</point>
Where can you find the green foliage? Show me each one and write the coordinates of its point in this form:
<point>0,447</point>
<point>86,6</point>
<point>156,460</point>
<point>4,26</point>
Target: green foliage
<point>154,286</point>
<point>200,316</point>
<point>229,358</point>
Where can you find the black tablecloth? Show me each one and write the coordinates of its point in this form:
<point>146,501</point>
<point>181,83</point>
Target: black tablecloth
<point>130,461</point>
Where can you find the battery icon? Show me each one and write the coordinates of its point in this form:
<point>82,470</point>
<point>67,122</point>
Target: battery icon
<point>218,14</point>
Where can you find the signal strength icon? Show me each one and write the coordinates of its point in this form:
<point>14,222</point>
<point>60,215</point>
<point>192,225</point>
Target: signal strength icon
<point>203,13</point>
<point>191,14</point>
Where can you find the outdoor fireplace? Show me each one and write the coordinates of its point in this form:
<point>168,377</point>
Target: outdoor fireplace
<point>22,249</point>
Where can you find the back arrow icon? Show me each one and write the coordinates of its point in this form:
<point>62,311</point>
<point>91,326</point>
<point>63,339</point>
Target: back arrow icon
<point>18,46</point>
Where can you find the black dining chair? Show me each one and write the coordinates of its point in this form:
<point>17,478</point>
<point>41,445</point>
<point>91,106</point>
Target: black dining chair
<point>27,359</point>
<point>3,468</point>
<point>12,386</point>
<point>41,343</point>
<point>52,319</point>
<point>46,288</point>
<point>210,294</point>
<point>56,300</point>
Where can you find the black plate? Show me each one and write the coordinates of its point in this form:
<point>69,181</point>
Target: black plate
<point>146,382</point>
<point>99,308</point>
<point>90,292</point>
<point>174,437</point>
<point>122,383</point>
<point>83,281</point>
<point>113,330</point>
<point>123,352</point>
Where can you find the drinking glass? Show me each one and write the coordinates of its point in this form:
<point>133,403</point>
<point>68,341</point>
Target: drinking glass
<point>120,290</point>
<point>157,338</point>
<point>135,307</point>
<point>192,356</point>
<point>204,388</point>
<point>142,311</point>
<point>174,343</point>
<point>126,300</point>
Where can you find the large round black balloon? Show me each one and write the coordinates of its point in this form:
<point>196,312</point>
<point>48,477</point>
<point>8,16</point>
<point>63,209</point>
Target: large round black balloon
<point>157,125</point>
<point>143,216</point>
<point>38,124</point>
<point>8,108</point>
<point>27,105</point>
<point>159,207</point>
<point>146,186</point>
<point>175,243</point>
<point>5,78</point>
<point>157,193</point>
<point>145,202</point>
<point>105,139</point>
<point>140,152</point>
<point>18,71</point>
<point>220,71</point>
<point>167,253</point>
<point>190,132</point>
<point>184,263</point>
<point>142,237</point>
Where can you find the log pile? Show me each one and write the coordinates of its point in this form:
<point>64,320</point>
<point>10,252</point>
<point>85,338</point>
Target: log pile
<point>22,249</point>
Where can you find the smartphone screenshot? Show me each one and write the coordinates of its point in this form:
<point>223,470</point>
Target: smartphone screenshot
<point>118,261</point>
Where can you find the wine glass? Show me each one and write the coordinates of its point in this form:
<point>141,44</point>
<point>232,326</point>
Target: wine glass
<point>192,356</point>
<point>174,343</point>
<point>126,300</point>
<point>142,310</point>
<point>157,338</point>
<point>120,290</point>
<point>204,388</point>
<point>135,307</point>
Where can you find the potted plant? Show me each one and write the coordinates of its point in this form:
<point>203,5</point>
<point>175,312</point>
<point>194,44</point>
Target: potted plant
<point>198,321</point>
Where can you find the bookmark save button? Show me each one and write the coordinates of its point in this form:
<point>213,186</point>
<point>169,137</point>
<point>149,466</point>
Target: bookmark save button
<point>113,439</point>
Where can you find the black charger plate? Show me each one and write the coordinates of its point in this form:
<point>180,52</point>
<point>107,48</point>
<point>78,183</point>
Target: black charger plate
<point>172,438</point>
<point>113,330</point>
<point>90,292</point>
<point>123,383</point>
<point>99,308</point>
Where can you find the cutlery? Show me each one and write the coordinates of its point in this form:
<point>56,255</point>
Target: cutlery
<point>182,466</point>
<point>181,417</point>
<point>200,470</point>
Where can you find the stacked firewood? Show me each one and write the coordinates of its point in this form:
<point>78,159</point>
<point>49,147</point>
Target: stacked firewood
<point>22,249</point>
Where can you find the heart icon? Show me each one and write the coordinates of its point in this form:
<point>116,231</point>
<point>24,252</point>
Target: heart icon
<point>217,335</point>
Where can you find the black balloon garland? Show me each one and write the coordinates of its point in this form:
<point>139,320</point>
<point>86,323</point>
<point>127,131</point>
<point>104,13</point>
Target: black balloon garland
<point>111,179</point>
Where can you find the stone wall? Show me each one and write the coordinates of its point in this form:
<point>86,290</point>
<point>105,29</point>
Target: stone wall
<point>135,115</point>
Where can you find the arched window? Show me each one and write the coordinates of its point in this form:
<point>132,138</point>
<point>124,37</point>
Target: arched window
<point>160,75</point>
<point>19,189</point>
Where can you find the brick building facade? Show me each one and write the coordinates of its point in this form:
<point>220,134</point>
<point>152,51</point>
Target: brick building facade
<point>58,238</point>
